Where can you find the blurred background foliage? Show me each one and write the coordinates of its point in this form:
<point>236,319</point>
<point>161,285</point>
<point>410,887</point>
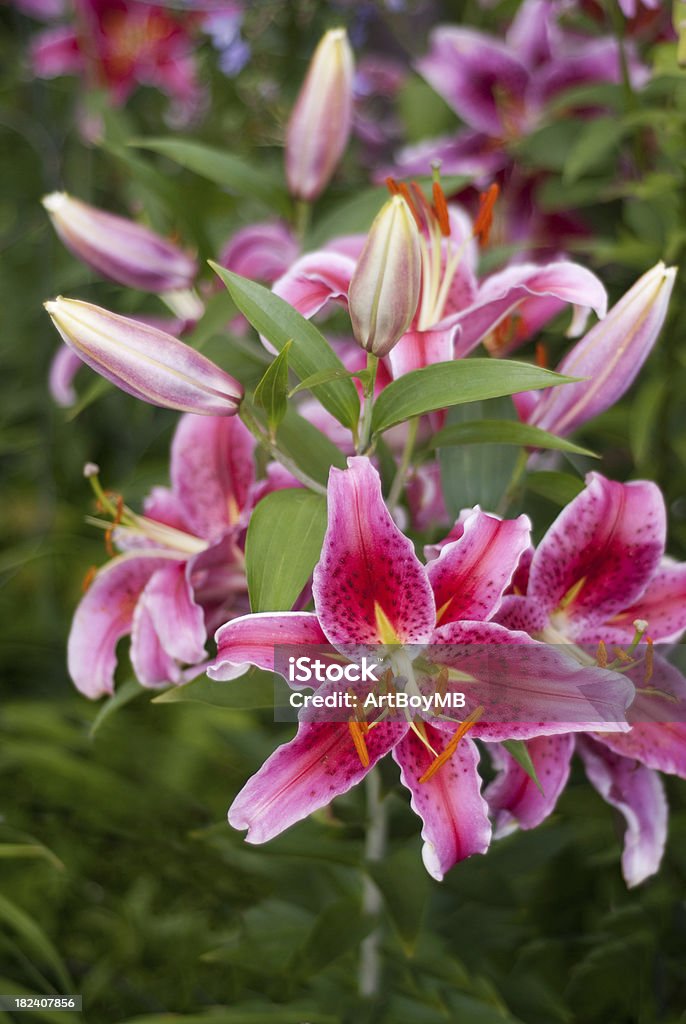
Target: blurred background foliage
<point>119,878</point>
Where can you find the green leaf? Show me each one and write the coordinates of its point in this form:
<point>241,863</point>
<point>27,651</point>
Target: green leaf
<point>226,169</point>
<point>308,447</point>
<point>340,927</point>
<point>311,352</point>
<point>503,432</point>
<point>519,750</point>
<point>594,147</point>
<point>36,941</point>
<point>123,695</point>
<point>323,377</point>
<point>560,488</point>
<point>253,691</point>
<point>405,887</point>
<point>446,384</point>
<point>282,547</point>
<point>271,394</point>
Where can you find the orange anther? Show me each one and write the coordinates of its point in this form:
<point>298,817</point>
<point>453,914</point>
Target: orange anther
<point>622,655</point>
<point>601,655</point>
<point>88,578</point>
<point>440,207</point>
<point>360,745</point>
<point>541,356</point>
<point>649,660</point>
<point>449,750</point>
<point>484,219</point>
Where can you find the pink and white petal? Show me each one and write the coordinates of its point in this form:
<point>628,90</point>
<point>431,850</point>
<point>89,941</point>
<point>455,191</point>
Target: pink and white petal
<point>314,280</point>
<point>320,763</point>
<point>56,52</point>
<point>251,639</point>
<point>469,153</point>
<point>522,613</point>
<point>450,804</point>
<point>533,34</point>
<point>154,667</point>
<point>347,245</point>
<point>528,688</point>
<point>212,472</point>
<point>471,574</point>
<point>476,74</point>
<point>262,251</point>
<point>425,497</point>
<point>104,616</point>
<point>662,605</point>
<point>508,291</point>
<point>368,567</point>
<point>163,506</point>
<point>638,793</point>
<point>175,615</point>
<point>277,478</point>
<point>513,797</point>
<point>609,542</point>
<point>417,349</point>
<point>64,367</point>
<point>595,61</point>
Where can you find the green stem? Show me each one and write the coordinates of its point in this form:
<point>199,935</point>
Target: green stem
<point>369,974</point>
<point>401,473</point>
<point>368,405</point>
<point>276,453</point>
<point>301,218</point>
<point>512,486</point>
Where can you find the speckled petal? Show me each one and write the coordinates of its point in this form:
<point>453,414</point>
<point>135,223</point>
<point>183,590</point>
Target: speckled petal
<point>367,566</point>
<point>306,774</point>
<point>638,793</point>
<point>470,574</point>
<point>662,605</point>
<point>612,536</point>
<point>176,617</point>
<point>212,472</point>
<point>450,804</point>
<point>514,798</point>
<point>250,640</point>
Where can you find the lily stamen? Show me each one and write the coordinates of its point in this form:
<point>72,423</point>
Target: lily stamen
<point>357,734</point>
<point>450,749</point>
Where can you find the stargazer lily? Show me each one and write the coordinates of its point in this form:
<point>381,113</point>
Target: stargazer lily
<point>455,310</point>
<point>179,571</point>
<point>370,589</point>
<point>600,579</point>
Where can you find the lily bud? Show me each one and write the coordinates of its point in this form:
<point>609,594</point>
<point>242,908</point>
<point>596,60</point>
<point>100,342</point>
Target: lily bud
<point>144,361</point>
<point>610,356</point>
<point>119,249</point>
<point>320,123</point>
<point>385,286</point>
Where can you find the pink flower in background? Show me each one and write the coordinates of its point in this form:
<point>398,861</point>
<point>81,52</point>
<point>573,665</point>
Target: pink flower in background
<point>120,45</point>
<point>370,588</point>
<point>181,568</point>
<point>599,571</point>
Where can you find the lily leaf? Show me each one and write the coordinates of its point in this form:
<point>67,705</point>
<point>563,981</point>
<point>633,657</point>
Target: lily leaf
<point>311,352</point>
<point>504,432</point>
<point>558,487</point>
<point>272,391</point>
<point>519,750</point>
<point>324,376</point>
<point>446,384</point>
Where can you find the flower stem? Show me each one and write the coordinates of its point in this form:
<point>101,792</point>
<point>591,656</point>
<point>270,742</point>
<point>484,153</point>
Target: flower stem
<point>369,974</point>
<point>272,447</point>
<point>401,472</point>
<point>301,218</point>
<point>368,405</point>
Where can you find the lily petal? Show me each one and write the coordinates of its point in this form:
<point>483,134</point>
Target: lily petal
<point>175,615</point>
<point>314,280</point>
<point>662,605</point>
<point>450,804</point>
<point>64,367</point>
<point>368,580</point>
<point>478,76</point>
<point>417,349</point>
<point>511,289</point>
<point>212,472</point>
<point>606,544</point>
<point>513,796</point>
<point>154,667</point>
<point>251,639</point>
<point>262,251</point>
<point>638,793</point>
<point>306,774</point>
<point>104,616</point>
<point>471,574</point>
<point>528,688</point>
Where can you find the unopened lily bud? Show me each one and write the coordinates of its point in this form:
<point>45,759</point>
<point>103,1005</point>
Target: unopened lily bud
<point>119,249</point>
<point>609,356</point>
<point>384,290</point>
<point>144,361</point>
<point>320,123</point>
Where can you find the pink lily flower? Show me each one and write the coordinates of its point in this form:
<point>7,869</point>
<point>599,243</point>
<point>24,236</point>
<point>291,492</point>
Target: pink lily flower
<point>456,311</point>
<point>180,568</point>
<point>609,356</point>
<point>370,588</point>
<point>597,577</point>
<point>122,45</point>
<point>499,89</point>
